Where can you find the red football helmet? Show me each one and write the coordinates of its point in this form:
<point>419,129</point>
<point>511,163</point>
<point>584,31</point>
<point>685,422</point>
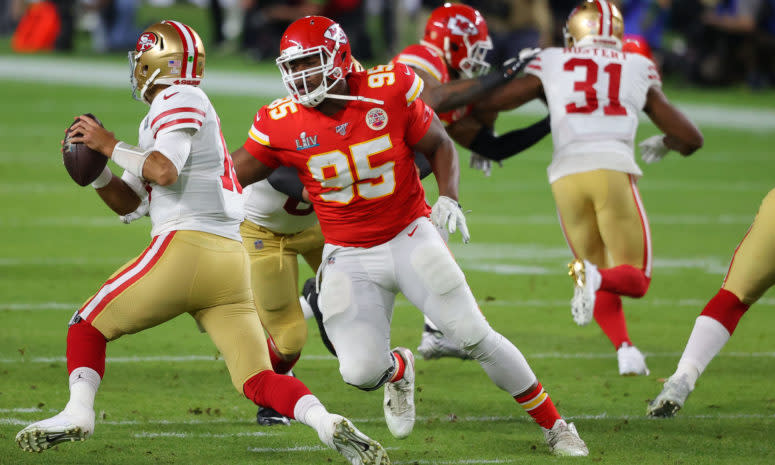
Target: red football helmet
<point>459,32</point>
<point>314,36</point>
<point>633,43</point>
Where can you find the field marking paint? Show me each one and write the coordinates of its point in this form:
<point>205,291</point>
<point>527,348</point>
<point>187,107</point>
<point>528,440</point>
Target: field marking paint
<point>91,73</point>
<point>327,357</point>
<point>184,435</point>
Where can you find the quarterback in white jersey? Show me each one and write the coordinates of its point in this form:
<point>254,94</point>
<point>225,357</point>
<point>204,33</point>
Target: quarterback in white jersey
<point>595,92</point>
<point>195,263</point>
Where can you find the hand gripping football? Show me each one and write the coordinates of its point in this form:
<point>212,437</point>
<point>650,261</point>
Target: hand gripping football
<point>82,163</point>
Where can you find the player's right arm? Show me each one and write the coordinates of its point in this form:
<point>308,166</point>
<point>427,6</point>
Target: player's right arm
<point>256,159</point>
<point>681,134</point>
<point>249,169</point>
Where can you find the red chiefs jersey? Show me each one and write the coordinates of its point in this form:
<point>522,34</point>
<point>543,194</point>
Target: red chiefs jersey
<point>357,165</point>
<point>428,58</point>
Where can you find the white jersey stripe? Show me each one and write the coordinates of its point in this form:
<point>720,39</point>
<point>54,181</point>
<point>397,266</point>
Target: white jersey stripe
<point>125,276</point>
<point>418,62</point>
<point>188,48</point>
<point>415,90</point>
<point>647,258</point>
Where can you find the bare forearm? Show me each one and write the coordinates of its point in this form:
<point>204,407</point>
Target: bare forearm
<point>119,196</point>
<point>446,168</point>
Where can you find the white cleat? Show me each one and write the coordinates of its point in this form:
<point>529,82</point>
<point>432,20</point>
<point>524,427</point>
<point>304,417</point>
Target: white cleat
<point>632,362</point>
<point>64,427</point>
<point>355,446</point>
<point>435,345</point>
<point>586,281</point>
<point>399,398</point>
<point>564,440</point>
<point>672,398</point>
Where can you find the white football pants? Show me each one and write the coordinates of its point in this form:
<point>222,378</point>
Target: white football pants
<point>358,291</point>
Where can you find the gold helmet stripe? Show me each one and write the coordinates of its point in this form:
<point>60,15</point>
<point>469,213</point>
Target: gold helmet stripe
<point>190,51</point>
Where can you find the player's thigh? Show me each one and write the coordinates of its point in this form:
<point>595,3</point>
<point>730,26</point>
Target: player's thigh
<point>431,279</point>
<point>622,220</point>
<point>752,270</point>
<point>311,246</point>
<point>357,308</point>
<point>273,269</point>
<point>149,290</point>
<point>237,333</point>
<point>573,196</point>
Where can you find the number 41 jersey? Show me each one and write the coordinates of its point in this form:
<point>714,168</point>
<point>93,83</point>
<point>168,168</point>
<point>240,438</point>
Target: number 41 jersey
<point>357,165</point>
<point>595,96</point>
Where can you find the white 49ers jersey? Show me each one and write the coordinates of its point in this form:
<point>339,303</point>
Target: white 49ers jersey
<point>206,196</point>
<point>595,96</point>
<point>270,208</point>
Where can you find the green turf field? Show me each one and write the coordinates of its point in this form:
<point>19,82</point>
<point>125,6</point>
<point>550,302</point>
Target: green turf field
<point>166,398</point>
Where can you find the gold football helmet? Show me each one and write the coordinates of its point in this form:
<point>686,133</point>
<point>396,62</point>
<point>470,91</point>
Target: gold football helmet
<point>594,23</point>
<point>168,52</point>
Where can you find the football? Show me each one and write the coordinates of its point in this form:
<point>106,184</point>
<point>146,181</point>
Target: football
<point>82,163</point>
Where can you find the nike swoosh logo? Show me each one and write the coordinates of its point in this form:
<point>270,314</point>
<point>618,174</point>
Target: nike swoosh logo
<point>170,95</point>
<point>406,71</point>
<point>413,230</point>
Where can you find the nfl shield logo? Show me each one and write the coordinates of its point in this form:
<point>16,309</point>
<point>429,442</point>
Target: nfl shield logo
<point>341,129</point>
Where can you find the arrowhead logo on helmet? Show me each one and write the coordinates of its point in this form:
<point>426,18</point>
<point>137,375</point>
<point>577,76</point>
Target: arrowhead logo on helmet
<point>461,26</point>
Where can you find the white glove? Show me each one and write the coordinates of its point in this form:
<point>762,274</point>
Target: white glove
<point>446,213</point>
<point>480,163</point>
<point>653,149</point>
<point>142,210</point>
<point>527,53</point>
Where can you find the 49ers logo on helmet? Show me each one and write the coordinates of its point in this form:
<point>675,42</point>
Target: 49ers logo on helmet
<point>146,42</point>
<point>461,26</point>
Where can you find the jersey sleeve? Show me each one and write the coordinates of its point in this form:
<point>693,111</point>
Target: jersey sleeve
<point>258,144</point>
<point>177,107</point>
<point>408,81</point>
<point>537,64</point>
<point>419,57</point>
<point>419,121</point>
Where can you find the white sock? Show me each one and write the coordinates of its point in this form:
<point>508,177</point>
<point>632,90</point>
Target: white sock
<point>84,383</point>
<point>310,411</point>
<point>707,339</point>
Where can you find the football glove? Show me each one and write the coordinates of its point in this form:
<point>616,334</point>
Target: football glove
<point>142,210</point>
<point>653,149</point>
<point>447,214</point>
<point>511,67</point>
<point>480,163</point>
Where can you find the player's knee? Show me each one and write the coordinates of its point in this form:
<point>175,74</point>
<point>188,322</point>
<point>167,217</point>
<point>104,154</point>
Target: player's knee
<point>291,338</point>
<point>482,348</point>
<point>335,294</point>
<point>643,285</point>
<point>363,377</point>
<point>437,269</point>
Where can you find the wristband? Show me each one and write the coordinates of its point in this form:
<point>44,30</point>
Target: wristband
<point>130,158</point>
<point>103,179</point>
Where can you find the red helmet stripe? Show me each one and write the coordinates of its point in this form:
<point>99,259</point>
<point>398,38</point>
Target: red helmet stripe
<point>600,10</point>
<point>196,49</point>
<point>186,46</point>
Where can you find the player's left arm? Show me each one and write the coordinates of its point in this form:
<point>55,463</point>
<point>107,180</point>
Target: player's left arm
<point>440,151</point>
<point>151,165</point>
<point>681,134</point>
<point>481,138</point>
<point>248,168</point>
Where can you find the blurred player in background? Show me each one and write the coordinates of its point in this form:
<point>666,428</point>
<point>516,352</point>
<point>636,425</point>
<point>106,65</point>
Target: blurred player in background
<point>750,274</point>
<point>195,263</point>
<point>453,47</point>
<point>594,92</point>
<point>352,136</point>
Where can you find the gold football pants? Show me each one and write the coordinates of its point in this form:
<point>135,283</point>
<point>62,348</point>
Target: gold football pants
<point>187,272</point>
<point>603,218</point>
<point>752,270</point>
<point>274,276</point>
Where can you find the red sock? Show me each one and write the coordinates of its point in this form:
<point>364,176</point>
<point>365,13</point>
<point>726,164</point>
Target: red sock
<point>400,366</point>
<point>540,406</point>
<point>625,280</point>
<point>610,317</point>
<point>279,392</point>
<point>725,308</point>
<point>85,348</point>
<point>279,365</point>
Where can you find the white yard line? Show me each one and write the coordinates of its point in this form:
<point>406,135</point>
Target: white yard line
<point>89,73</point>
